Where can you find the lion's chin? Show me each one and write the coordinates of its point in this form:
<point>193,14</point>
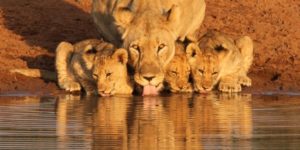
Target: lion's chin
<point>202,91</point>
<point>150,90</point>
<point>104,94</point>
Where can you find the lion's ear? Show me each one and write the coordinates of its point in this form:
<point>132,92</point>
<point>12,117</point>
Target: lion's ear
<point>192,50</point>
<point>123,17</point>
<point>64,46</point>
<point>121,55</point>
<point>222,50</point>
<point>89,49</point>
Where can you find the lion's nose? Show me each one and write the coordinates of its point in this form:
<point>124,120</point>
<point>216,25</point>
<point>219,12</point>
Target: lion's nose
<point>180,87</point>
<point>205,88</point>
<point>101,91</point>
<point>149,78</point>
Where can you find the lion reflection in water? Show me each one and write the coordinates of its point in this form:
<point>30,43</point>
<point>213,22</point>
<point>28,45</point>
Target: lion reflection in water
<point>175,122</point>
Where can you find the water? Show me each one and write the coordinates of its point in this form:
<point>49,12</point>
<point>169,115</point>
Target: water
<point>215,121</point>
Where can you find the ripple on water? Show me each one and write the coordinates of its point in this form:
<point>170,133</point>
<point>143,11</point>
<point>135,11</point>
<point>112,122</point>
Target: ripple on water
<point>181,121</point>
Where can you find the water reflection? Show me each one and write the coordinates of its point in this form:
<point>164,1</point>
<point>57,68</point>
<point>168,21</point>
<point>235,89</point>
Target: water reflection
<point>212,121</point>
<point>223,121</point>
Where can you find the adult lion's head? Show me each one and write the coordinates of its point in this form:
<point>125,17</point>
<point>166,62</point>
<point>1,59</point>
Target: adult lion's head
<point>150,37</point>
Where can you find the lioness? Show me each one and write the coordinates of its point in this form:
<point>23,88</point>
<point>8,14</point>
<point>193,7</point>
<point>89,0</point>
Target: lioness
<point>219,59</point>
<point>148,29</point>
<point>178,71</point>
<point>92,64</point>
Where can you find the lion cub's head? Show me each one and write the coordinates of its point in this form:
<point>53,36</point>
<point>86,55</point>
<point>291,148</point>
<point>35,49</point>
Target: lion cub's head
<point>150,39</point>
<point>205,59</point>
<point>178,72</point>
<point>110,71</point>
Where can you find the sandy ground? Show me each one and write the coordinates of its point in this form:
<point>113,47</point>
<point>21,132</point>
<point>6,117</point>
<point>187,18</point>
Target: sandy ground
<point>31,29</point>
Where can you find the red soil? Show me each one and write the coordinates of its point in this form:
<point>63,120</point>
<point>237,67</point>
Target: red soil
<point>31,29</point>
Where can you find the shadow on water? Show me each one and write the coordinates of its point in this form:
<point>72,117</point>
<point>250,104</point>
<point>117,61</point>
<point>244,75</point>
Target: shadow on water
<point>45,23</point>
<point>214,121</point>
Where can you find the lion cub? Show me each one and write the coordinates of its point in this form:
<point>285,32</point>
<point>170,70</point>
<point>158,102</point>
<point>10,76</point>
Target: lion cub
<point>217,59</point>
<point>178,71</point>
<point>95,65</point>
<point>92,64</point>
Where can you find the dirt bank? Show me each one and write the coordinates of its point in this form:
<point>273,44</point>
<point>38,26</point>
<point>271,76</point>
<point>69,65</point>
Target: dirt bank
<point>31,29</point>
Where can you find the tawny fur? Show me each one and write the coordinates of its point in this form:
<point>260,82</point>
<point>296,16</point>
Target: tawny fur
<point>90,63</point>
<point>148,29</point>
<point>111,74</point>
<point>218,59</point>
<point>178,71</point>
<point>74,66</point>
<point>81,65</point>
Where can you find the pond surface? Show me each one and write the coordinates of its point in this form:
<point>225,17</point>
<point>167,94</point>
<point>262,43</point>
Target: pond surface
<point>214,121</point>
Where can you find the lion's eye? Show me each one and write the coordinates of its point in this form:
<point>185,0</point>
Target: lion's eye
<point>108,74</point>
<point>174,72</point>
<point>161,46</point>
<point>136,47</point>
<point>214,73</point>
<point>95,76</point>
<point>201,71</point>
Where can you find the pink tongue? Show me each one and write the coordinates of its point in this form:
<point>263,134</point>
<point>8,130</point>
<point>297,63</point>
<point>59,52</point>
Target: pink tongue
<point>203,92</point>
<point>150,90</point>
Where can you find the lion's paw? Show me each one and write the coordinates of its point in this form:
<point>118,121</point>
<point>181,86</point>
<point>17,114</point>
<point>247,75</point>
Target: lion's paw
<point>70,85</point>
<point>245,81</point>
<point>230,87</point>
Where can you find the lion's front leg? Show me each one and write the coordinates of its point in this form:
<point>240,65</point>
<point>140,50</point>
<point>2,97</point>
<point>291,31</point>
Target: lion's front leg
<point>89,86</point>
<point>245,45</point>
<point>230,84</point>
